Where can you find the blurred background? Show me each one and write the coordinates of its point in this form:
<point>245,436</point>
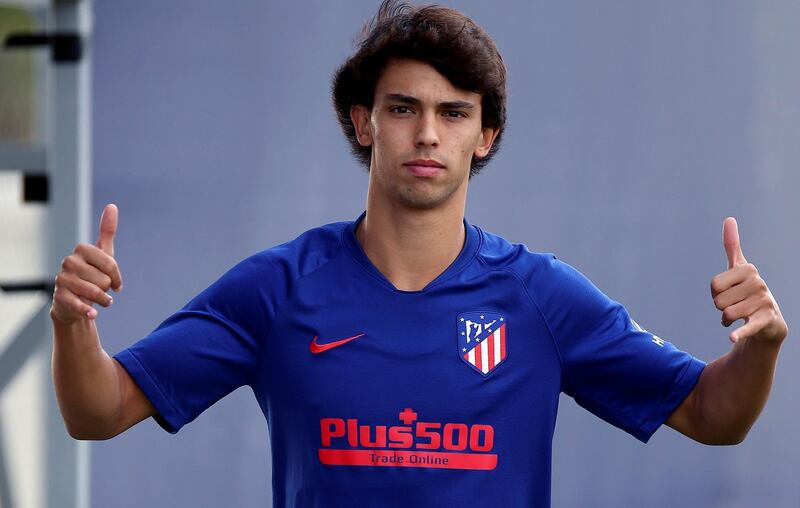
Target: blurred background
<point>634,129</point>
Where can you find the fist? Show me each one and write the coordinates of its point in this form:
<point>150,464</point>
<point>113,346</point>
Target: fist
<point>741,293</point>
<point>87,274</point>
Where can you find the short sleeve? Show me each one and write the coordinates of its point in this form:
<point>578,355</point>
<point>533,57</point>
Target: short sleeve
<point>614,368</point>
<point>208,348</point>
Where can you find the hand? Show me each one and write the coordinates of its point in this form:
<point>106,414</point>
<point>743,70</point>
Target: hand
<point>87,274</point>
<point>740,293</point>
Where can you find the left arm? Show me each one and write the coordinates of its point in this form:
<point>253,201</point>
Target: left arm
<point>733,389</point>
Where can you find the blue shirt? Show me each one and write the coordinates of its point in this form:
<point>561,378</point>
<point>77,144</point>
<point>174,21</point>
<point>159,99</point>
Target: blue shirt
<point>446,396</point>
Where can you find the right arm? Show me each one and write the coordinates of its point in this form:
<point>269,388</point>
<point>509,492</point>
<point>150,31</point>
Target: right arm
<point>97,397</point>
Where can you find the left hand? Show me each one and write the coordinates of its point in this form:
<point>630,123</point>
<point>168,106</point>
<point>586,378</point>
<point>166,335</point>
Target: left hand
<point>740,293</point>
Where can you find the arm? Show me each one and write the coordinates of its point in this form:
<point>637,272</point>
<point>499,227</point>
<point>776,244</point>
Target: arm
<point>96,395</point>
<point>729,396</point>
<point>733,389</point>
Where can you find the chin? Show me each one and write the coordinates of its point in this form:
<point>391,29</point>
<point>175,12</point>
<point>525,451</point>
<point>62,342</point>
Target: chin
<point>413,198</point>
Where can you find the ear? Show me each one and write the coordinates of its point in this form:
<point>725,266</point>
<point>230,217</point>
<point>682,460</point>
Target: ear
<point>485,142</point>
<point>359,115</point>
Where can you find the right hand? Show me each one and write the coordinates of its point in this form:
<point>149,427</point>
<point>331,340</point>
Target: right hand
<point>87,274</point>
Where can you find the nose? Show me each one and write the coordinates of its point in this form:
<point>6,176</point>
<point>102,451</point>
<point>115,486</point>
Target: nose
<point>427,134</point>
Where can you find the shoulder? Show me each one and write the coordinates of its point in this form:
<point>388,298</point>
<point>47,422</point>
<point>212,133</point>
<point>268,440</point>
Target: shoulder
<point>272,273</point>
<point>308,251</point>
<point>546,277</point>
<point>300,256</point>
<point>500,254</point>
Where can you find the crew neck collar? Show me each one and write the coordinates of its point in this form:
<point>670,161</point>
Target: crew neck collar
<point>468,250</point>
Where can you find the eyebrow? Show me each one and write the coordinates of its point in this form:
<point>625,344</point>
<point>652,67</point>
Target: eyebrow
<point>413,101</point>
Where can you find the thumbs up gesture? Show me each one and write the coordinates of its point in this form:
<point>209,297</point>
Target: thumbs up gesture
<point>87,274</point>
<point>740,293</point>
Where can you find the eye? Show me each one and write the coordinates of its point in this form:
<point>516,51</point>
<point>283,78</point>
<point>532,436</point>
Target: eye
<point>455,114</point>
<point>400,109</point>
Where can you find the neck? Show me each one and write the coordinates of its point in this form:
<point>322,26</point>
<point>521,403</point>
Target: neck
<point>411,247</point>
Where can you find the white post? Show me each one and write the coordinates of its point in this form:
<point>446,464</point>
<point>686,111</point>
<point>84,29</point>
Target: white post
<point>67,470</point>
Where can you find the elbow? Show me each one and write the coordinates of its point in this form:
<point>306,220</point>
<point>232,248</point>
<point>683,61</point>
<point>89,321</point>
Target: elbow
<point>88,432</point>
<point>724,441</point>
<point>80,434</point>
<point>724,437</point>
<point>735,439</point>
<point>88,436</point>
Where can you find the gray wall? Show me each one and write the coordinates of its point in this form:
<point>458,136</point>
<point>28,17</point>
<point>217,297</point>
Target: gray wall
<point>635,128</point>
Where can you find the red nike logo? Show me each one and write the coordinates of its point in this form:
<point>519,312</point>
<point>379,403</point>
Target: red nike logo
<point>319,348</point>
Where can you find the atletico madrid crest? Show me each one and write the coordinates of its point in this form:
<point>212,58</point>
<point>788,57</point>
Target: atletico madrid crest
<point>482,340</point>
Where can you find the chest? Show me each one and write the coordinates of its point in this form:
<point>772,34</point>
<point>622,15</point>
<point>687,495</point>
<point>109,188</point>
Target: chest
<point>455,352</point>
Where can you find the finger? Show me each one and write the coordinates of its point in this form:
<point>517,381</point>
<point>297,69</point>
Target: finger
<point>90,273</point>
<point>108,228</point>
<point>94,256</point>
<point>729,278</point>
<point>747,330</point>
<point>71,302</point>
<point>730,240</point>
<point>736,294</point>
<point>92,312</point>
<point>741,310</point>
<point>87,291</point>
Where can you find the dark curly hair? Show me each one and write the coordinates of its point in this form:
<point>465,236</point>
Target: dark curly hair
<point>444,38</point>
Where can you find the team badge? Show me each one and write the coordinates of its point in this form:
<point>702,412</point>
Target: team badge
<point>482,340</point>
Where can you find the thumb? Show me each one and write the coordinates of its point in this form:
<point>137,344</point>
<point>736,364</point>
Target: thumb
<point>108,228</point>
<point>730,240</point>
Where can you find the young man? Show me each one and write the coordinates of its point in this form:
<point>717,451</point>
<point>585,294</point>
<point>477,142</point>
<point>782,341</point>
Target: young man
<point>409,358</point>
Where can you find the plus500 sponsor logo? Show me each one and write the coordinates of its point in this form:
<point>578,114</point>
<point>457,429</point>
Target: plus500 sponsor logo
<point>413,444</point>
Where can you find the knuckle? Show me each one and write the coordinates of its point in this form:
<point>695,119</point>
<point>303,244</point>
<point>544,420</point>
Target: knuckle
<point>74,302</point>
<point>74,306</point>
<point>81,290</point>
<point>88,291</point>
<point>727,314</point>
<point>751,268</point>
<point>110,265</point>
<point>65,301</point>
<point>63,280</point>
<point>718,302</point>
<point>767,302</point>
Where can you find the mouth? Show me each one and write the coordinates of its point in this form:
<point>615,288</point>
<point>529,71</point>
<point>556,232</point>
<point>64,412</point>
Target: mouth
<point>424,167</point>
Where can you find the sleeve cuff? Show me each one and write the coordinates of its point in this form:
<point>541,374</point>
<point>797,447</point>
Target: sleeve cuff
<point>683,387</point>
<point>168,416</point>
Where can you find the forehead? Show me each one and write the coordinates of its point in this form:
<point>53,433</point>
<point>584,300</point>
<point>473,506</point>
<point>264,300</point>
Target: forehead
<point>420,80</point>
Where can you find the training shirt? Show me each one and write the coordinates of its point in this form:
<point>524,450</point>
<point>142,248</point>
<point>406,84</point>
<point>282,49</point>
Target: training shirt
<point>446,396</point>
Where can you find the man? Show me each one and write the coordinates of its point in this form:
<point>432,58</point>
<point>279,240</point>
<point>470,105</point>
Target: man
<point>409,358</point>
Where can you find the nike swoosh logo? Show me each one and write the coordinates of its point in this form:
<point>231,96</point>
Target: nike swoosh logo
<point>319,348</point>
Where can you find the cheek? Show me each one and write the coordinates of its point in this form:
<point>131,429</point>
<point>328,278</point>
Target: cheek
<point>469,139</point>
<point>379,130</point>
<point>386,144</point>
<point>467,145</point>
<point>393,138</point>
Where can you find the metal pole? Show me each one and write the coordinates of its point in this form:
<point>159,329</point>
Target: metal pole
<point>67,460</point>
